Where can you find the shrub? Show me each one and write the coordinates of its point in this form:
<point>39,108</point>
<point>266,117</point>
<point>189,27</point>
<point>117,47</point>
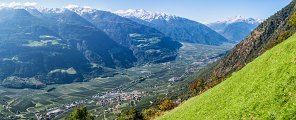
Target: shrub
<point>284,35</point>
<point>151,113</point>
<point>167,105</point>
<point>197,87</point>
<point>292,20</point>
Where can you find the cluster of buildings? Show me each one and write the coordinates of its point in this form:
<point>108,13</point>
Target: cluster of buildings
<point>53,112</point>
<point>102,99</point>
<point>118,96</point>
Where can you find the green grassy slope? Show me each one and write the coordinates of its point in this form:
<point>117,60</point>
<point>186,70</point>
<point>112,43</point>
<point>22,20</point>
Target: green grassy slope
<point>264,89</point>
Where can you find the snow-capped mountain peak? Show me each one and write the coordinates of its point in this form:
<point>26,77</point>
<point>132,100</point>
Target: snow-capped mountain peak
<point>74,8</point>
<point>237,19</point>
<point>144,15</point>
<point>80,9</point>
<point>52,10</point>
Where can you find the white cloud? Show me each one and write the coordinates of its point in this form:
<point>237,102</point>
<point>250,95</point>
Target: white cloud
<point>18,5</point>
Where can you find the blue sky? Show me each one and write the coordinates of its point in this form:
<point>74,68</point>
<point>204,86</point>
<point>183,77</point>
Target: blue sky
<point>199,10</point>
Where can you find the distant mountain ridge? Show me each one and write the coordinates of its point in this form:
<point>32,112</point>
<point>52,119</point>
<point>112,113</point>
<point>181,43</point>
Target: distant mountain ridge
<point>145,15</point>
<point>236,19</point>
<point>236,28</point>
<point>56,46</point>
<point>145,42</point>
<point>41,48</point>
<point>178,28</point>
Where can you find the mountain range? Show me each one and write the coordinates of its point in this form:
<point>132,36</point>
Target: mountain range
<point>43,47</point>
<point>256,79</point>
<point>146,43</point>
<point>49,46</point>
<point>178,28</point>
<point>76,44</point>
<point>236,28</point>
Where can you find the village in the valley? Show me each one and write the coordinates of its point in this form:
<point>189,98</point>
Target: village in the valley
<point>101,99</point>
<point>114,100</point>
<point>117,96</point>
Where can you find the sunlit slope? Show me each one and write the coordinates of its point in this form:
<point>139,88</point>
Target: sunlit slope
<point>264,89</point>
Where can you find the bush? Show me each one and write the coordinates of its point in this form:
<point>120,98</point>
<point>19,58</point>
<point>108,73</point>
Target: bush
<point>292,20</point>
<point>284,35</point>
<point>80,113</point>
<point>197,86</point>
<point>167,105</point>
<point>151,113</point>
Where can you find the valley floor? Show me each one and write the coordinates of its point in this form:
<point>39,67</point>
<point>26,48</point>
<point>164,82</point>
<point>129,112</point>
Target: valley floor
<point>138,86</point>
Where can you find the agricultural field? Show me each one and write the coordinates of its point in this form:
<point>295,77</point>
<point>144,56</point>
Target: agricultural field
<point>153,79</point>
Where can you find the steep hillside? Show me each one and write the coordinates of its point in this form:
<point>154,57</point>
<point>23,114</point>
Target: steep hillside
<point>95,45</point>
<point>178,28</point>
<point>148,44</point>
<point>235,29</point>
<point>271,32</point>
<point>264,89</point>
<point>58,45</point>
<point>54,47</point>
